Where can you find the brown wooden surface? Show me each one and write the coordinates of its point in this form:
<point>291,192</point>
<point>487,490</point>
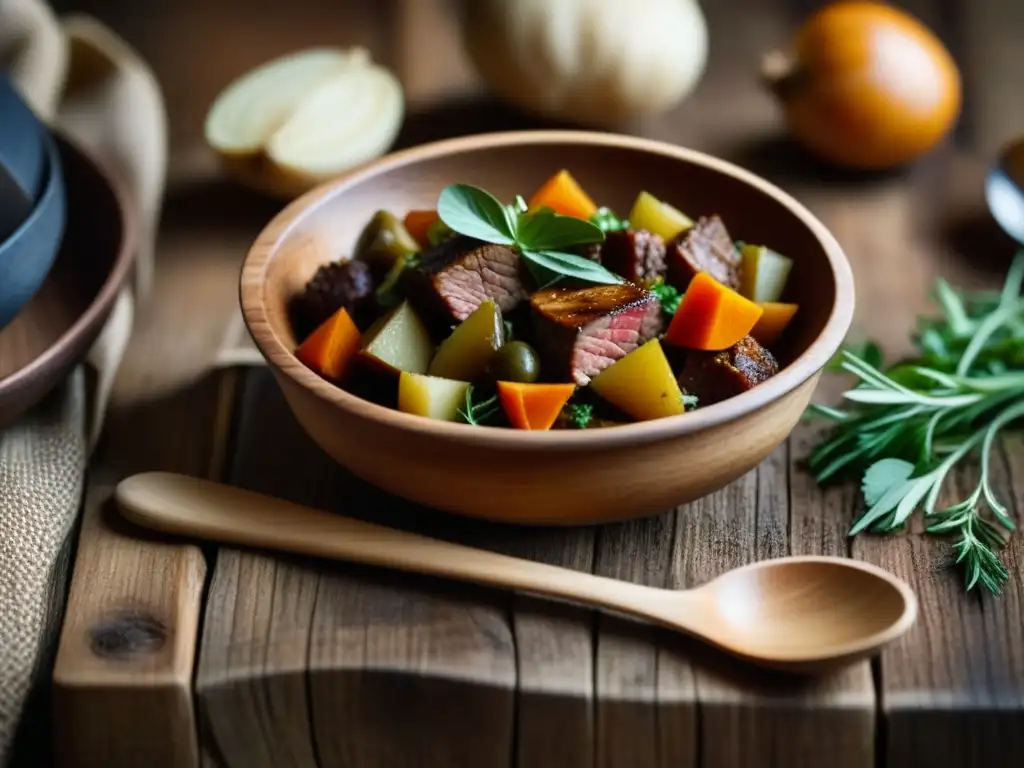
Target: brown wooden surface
<point>308,664</point>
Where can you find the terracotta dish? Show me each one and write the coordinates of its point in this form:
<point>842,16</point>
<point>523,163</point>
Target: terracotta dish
<point>57,327</point>
<point>564,476</point>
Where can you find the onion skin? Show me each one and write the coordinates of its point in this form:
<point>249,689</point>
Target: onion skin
<point>867,86</point>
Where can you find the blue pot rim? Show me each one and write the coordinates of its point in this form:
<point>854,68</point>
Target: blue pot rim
<point>54,187</point>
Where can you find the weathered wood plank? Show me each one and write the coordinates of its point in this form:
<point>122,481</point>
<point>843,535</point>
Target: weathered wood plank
<point>554,658</point>
<point>635,671</point>
<point>962,703</point>
<point>748,718</point>
<point>251,678</point>
<point>123,674</point>
<point>376,648</point>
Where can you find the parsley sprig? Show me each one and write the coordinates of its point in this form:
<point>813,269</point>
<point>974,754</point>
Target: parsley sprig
<point>579,414</point>
<point>907,427</point>
<point>668,295</point>
<point>607,221</point>
<point>539,235</point>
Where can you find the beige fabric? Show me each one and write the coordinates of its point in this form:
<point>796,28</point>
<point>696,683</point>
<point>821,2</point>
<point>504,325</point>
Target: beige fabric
<point>42,468</point>
<point>43,458</point>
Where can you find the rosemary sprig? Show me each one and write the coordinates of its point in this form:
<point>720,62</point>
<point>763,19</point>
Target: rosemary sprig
<point>480,413</point>
<point>905,428</point>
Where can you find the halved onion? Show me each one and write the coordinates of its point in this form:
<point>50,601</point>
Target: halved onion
<point>353,117</point>
<point>300,120</point>
<point>248,111</point>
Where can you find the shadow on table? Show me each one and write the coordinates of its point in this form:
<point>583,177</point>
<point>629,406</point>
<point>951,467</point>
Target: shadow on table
<point>977,239</point>
<point>782,161</point>
<point>466,116</point>
<point>218,204</point>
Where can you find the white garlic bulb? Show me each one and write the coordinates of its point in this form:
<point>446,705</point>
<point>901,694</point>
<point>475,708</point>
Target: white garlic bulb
<point>588,61</point>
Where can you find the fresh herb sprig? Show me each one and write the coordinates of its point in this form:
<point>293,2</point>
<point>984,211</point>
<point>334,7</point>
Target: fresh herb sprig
<point>668,296</point>
<point>479,413</point>
<point>607,221</point>
<point>540,236</point>
<point>579,414</point>
<point>907,427</point>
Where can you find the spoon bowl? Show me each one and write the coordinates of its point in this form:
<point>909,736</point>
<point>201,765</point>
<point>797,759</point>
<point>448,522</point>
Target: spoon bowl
<point>799,614</point>
<point>1004,189</point>
<point>804,609</point>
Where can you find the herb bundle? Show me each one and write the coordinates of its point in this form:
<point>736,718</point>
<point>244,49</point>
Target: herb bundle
<point>907,426</point>
<point>540,236</point>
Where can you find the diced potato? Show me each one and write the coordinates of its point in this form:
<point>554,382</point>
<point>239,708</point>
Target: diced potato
<point>399,343</point>
<point>430,396</point>
<point>763,273</point>
<point>773,322</point>
<point>655,216</point>
<point>465,354</point>
<point>641,384</point>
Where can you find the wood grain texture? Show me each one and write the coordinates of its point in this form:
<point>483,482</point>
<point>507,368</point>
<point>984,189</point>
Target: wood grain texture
<point>554,650</point>
<point>122,678</point>
<point>416,674</point>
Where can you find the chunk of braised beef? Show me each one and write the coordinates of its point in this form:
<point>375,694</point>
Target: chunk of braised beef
<point>635,254</point>
<point>704,247</point>
<point>347,284</point>
<point>717,376</point>
<point>456,276</point>
<point>581,331</point>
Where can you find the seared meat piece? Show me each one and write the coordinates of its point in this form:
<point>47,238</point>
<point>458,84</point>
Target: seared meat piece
<point>453,278</point>
<point>347,284</point>
<point>635,254</point>
<point>592,251</point>
<point>717,376</point>
<point>581,331</point>
<point>704,247</point>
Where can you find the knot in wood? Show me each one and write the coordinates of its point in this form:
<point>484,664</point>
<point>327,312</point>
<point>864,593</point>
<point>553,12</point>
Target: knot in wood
<point>129,633</point>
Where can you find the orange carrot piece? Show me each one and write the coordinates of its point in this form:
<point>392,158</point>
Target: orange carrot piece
<point>330,348</point>
<point>711,316</point>
<point>533,406</point>
<point>562,194</point>
<point>418,223</point>
<point>773,322</point>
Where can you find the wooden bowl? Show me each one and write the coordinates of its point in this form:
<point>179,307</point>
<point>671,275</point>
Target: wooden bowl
<point>564,476</point>
<point>57,327</point>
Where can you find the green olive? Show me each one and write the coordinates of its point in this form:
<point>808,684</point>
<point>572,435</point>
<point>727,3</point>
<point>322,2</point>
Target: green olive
<point>438,232</point>
<point>384,241</point>
<point>516,361</point>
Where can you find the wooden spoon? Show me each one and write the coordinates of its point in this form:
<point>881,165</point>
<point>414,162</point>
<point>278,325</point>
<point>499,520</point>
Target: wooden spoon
<point>799,614</point>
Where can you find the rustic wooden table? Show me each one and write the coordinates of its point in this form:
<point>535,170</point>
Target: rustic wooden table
<point>175,656</point>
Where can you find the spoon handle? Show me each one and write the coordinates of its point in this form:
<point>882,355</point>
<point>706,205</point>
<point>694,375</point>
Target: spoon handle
<point>179,504</point>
